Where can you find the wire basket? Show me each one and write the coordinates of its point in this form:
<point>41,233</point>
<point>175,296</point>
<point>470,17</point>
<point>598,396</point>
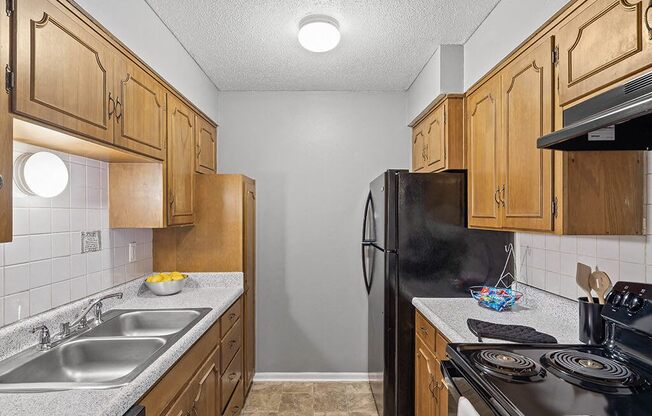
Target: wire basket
<point>496,298</point>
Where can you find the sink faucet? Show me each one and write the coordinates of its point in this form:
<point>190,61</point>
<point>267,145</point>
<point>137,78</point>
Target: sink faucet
<point>81,321</point>
<point>43,336</point>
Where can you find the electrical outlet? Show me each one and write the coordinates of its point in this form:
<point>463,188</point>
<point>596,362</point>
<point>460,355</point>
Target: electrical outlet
<point>132,252</point>
<point>91,241</point>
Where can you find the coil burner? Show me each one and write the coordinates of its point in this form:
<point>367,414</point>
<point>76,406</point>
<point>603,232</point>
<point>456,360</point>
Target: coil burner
<point>593,372</point>
<point>509,366</point>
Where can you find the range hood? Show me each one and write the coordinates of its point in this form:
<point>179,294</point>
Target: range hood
<point>619,119</point>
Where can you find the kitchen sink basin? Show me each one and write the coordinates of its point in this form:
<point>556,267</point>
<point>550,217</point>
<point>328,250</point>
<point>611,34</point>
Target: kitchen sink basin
<point>108,355</point>
<point>144,323</point>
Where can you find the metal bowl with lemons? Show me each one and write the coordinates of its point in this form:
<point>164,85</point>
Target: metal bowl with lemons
<point>165,284</point>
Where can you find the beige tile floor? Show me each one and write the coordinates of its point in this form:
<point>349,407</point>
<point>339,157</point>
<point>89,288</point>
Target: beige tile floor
<point>310,399</point>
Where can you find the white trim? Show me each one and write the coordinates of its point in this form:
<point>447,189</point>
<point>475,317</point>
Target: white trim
<point>311,377</point>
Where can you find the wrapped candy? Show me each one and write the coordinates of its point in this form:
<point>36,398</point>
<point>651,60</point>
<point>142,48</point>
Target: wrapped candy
<point>495,298</point>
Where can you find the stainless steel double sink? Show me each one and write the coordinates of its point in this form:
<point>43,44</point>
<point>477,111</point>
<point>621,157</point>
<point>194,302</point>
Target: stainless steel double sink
<point>108,355</point>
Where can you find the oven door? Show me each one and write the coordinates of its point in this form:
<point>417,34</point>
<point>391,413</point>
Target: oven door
<point>463,400</point>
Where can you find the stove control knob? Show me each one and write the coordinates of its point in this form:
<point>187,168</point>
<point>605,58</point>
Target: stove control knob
<point>615,298</point>
<point>635,304</point>
<point>627,298</point>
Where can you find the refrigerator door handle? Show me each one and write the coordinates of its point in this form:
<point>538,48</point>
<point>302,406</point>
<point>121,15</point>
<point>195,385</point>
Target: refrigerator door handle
<point>368,207</point>
<point>367,282</point>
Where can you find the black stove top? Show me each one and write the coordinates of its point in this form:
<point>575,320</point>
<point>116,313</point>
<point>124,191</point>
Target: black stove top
<point>549,379</point>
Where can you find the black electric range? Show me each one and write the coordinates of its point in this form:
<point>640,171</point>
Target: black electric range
<point>614,378</point>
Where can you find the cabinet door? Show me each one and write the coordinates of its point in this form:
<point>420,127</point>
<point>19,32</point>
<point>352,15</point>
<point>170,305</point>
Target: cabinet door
<point>526,191</point>
<point>182,405</point>
<point>418,149</point>
<point>64,71</point>
<point>250,285</point>
<point>180,162</point>
<point>425,381</point>
<point>207,400</point>
<point>6,146</point>
<point>606,42</point>
<point>139,110</point>
<point>484,130</point>
<point>436,139</point>
<point>441,391</point>
<point>206,144</point>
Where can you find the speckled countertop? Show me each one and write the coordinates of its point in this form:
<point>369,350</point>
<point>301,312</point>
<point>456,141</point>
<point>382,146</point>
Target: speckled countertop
<point>538,309</point>
<point>213,290</point>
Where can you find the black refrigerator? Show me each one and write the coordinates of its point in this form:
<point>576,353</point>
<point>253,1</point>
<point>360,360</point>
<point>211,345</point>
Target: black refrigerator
<point>415,244</point>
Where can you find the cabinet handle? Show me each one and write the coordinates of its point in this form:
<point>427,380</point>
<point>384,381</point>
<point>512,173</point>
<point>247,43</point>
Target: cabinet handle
<point>253,194</point>
<point>496,196</point>
<point>232,343</point>
<point>111,106</point>
<point>198,150</point>
<point>233,316</point>
<point>424,330</point>
<point>236,409</point>
<point>2,181</point>
<point>502,198</point>
<point>118,104</point>
<point>233,376</point>
<point>647,20</point>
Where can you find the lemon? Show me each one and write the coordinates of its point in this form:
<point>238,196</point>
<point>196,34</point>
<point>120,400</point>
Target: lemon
<point>166,278</point>
<point>177,277</point>
<point>155,278</point>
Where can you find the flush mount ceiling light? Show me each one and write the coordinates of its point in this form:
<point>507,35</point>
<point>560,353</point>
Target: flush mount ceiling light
<point>43,174</point>
<point>319,33</point>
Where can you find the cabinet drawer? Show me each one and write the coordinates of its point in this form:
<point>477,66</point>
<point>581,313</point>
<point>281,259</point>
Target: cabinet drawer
<point>232,376</point>
<point>237,402</point>
<point>425,330</point>
<point>440,346</point>
<point>231,344</point>
<point>231,316</point>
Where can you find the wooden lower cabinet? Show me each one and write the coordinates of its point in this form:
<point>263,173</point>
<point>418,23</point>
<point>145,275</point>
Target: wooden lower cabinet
<point>207,380</point>
<point>431,394</point>
<point>201,397</point>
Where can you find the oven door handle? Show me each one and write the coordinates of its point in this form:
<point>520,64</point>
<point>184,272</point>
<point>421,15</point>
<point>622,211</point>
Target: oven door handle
<point>447,368</point>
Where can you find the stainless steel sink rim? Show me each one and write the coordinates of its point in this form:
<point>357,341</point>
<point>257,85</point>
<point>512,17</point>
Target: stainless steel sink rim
<point>90,336</point>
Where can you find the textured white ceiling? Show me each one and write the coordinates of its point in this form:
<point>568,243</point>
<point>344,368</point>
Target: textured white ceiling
<point>252,44</point>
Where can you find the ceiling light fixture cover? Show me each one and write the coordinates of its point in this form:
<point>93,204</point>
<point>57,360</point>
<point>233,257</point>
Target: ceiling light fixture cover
<point>319,33</point>
<point>43,174</point>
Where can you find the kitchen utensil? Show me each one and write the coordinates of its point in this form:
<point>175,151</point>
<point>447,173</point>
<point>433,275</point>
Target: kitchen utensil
<point>582,277</point>
<point>496,298</point>
<point>600,283</point>
<point>167,288</point>
<point>592,325</point>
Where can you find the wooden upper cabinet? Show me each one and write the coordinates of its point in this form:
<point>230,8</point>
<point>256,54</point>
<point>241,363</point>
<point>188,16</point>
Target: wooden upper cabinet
<point>139,110</point>
<point>206,147</point>
<point>484,157</point>
<point>180,162</point>
<point>605,42</point>
<point>437,139</point>
<point>63,70</point>
<point>526,190</point>
<point>418,149</point>
<point>425,380</point>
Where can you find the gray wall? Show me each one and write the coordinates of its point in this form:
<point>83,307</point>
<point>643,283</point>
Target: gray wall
<point>509,24</point>
<point>313,155</point>
<point>140,29</point>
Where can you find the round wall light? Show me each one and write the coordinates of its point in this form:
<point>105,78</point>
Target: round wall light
<point>42,174</point>
<point>319,33</point>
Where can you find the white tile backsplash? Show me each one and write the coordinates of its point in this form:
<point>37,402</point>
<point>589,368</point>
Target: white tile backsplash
<point>43,266</point>
<point>549,262</point>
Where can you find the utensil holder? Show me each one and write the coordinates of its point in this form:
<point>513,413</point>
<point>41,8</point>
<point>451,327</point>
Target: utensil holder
<point>592,326</point>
